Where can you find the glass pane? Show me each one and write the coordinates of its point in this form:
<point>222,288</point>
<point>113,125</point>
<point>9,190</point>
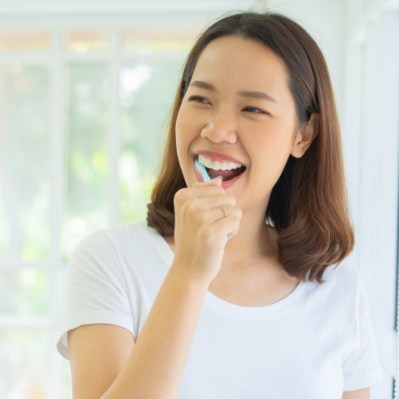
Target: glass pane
<point>147,92</point>
<point>25,151</point>
<point>24,293</point>
<point>86,203</point>
<point>86,41</point>
<point>66,380</point>
<point>25,365</point>
<point>22,41</point>
<point>162,39</point>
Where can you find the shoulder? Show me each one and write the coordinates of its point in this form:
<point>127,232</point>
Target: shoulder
<point>106,247</point>
<point>344,285</point>
<point>340,288</point>
<point>127,250</point>
<point>344,274</point>
<point>116,239</point>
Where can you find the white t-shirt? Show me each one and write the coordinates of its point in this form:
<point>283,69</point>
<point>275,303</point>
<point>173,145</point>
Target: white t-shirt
<point>315,343</point>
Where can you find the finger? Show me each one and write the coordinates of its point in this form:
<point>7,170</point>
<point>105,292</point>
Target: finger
<point>226,211</point>
<point>211,215</point>
<point>200,191</point>
<point>207,204</point>
<point>217,181</point>
<point>226,227</point>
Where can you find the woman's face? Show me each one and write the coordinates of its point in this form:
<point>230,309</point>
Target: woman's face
<point>238,115</point>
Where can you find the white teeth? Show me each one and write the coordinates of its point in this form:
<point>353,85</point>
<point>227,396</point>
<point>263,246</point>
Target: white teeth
<point>218,165</point>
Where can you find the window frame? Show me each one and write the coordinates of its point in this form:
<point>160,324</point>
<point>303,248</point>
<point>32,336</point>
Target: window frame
<point>371,146</point>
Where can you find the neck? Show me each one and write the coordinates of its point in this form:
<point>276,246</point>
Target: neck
<point>254,240</point>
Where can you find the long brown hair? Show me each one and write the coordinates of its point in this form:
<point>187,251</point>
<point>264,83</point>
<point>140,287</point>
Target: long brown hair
<point>308,205</point>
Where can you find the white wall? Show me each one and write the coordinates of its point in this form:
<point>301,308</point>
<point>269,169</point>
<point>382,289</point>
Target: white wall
<point>325,21</point>
<point>371,132</point>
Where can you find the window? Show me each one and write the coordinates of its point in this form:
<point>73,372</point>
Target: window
<point>371,127</point>
<point>83,116</point>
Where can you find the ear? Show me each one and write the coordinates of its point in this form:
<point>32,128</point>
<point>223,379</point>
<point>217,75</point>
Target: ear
<point>304,136</point>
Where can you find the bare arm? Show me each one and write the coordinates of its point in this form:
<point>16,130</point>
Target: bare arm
<point>97,353</point>
<point>105,361</point>
<point>359,394</point>
<point>154,369</point>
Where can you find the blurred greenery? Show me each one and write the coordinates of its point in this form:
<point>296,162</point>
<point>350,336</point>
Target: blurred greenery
<point>87,135</point>
<point>146,92</point>
<point>25,158</point>
<point>24,359</point>
<point>87,159</point>
<point>25,293</point>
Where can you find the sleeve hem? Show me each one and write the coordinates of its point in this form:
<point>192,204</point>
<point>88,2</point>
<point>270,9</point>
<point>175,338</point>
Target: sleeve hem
<point>86,319</point>
<point>364,381</point>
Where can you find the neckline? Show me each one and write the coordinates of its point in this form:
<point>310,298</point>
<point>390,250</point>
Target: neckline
<point>230,309</point>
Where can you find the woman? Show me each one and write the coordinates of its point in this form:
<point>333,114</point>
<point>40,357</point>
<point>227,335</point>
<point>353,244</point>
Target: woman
<point>232,289</point>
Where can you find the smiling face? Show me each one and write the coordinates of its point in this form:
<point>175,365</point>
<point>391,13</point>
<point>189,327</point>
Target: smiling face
<point>238,119</point>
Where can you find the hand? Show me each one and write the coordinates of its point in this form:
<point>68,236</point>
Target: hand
<point>202,229</point>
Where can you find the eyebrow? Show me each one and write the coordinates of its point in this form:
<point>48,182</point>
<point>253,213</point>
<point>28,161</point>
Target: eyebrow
<point>259,95</point>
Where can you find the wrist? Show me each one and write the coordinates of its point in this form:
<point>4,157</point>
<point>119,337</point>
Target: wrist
<point>188,277</point>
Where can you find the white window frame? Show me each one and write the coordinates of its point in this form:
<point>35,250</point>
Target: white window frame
<point>371,144</point>
<point>57,22</point>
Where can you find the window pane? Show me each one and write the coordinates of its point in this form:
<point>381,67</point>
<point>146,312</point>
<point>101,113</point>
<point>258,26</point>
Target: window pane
<point>24,293</point>
<point>66,380</point>
<point>158,39</point>
<point>86,207</point>
<point>86,41</point>
<point>25,366</point>
<point>22,41</point>
<point>147,93</point>
<point>25,150</point>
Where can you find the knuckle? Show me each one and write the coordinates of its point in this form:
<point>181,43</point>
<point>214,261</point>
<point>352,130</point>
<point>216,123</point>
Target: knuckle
<point>207,234</point>
<point>179,196</point>
<point>233,200</point>
<point>192,206</point>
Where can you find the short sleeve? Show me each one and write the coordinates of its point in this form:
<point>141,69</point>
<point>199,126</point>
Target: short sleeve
<point>361,367</point>
<point>95,290</point>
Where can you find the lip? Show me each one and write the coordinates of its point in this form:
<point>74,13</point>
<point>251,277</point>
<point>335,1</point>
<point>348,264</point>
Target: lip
<point>217,157</point>
<point>214,156</point>
<point>225,184</point>
<point>228,183</point>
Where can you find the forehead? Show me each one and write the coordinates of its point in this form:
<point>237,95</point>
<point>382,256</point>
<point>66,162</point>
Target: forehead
<point>234,60</point>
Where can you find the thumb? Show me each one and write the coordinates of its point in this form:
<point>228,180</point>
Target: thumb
<point>217,181</point>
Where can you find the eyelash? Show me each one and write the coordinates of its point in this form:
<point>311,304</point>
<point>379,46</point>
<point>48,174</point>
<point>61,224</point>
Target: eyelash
<point>199,99</point>
<point>203,100</point>
<point>256,110</point>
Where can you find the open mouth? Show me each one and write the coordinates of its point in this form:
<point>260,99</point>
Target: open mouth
<point>227,170</point>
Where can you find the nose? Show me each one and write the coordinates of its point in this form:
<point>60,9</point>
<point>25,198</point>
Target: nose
<point>221,127</point>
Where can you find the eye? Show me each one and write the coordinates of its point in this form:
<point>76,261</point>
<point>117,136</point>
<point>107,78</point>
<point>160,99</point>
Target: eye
<point>255,110</point>
<point>198,99</point>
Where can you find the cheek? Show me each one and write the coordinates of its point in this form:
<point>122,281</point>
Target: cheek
<point>184,137</point>
<point>180,129</point>
<point>270,150</point>
<point>187,129</point>
<point>179,143</point>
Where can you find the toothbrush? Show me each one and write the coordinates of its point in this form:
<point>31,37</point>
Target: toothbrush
<point>202,170</point>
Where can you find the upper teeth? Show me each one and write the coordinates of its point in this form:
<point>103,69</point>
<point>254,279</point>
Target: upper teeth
<point>218,165</point>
